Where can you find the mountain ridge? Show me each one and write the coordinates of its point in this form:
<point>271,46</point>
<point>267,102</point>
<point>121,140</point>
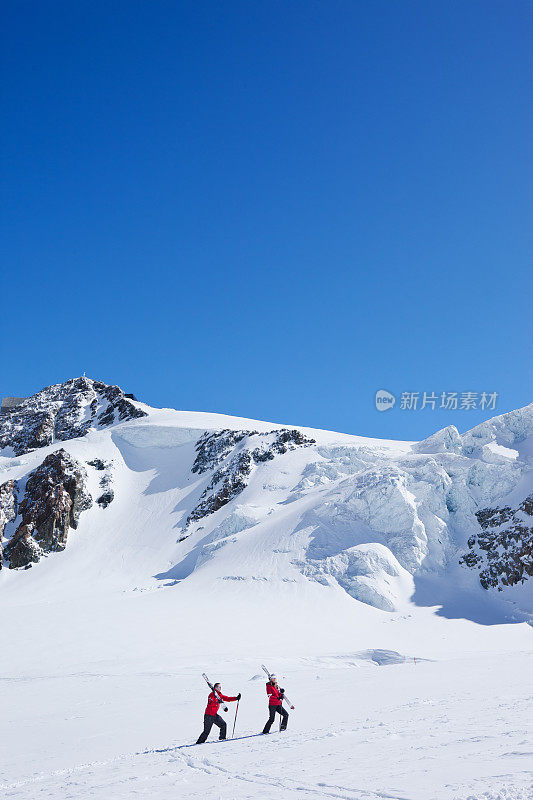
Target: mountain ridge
<point>370,517</point>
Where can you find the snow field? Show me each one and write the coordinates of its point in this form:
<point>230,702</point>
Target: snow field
<point>434,730</point>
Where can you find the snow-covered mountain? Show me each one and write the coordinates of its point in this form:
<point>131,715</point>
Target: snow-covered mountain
<point>239,500</point>
<point>387,582</point>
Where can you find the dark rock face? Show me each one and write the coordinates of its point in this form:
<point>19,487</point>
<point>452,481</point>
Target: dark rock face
<point>228,481</point>
<point>24,551</point>
<point>106,498</point>
<point>503,551</point>
<point>106,481</point>
<point>8,509</point>
<point>64,411</point>
<point>249,449</point>
<point>55,496</point>
<point>212,448</point>
<point>98,464</point>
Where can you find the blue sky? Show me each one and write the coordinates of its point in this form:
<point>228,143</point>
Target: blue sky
<point>270,209</point>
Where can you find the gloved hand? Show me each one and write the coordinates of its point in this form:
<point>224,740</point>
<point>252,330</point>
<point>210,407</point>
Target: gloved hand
<point>239,696</point>
<point>282,691</point>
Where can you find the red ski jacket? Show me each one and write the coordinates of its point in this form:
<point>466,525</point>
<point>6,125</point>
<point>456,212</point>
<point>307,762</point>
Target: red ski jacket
<point>274,694</point>
<point>213,703</point>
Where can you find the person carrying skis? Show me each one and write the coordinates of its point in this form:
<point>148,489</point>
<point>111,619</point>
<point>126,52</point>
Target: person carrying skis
<point>275,700</point>
<point>212,717</point>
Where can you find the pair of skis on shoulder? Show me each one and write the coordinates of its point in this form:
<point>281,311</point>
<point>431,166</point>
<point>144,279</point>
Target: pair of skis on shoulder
<point>212,687</point>
<point>217,694</point>
<point>269,674</point>
<point>283,696</point>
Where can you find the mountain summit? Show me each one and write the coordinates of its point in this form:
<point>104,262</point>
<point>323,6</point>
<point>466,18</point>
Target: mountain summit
<point>64,411</point>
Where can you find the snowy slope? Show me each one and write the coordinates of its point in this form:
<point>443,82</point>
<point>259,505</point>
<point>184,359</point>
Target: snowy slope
<point>231,542</point>
<point>204,494</point>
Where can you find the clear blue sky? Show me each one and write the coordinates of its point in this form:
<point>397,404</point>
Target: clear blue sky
<point>270,208</point>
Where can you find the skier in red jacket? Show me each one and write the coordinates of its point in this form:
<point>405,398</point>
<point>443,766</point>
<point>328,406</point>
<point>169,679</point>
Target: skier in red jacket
<point>275,700</point>
<point>212,717</point>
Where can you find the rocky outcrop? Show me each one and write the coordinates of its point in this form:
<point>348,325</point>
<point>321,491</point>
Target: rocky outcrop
<point>23,550</point>
<point>108,495</point>
<point>106,498</point>
<point>212,448</point>
<point>503,550</point>
<point>64,411</point>
<point>8,509</point>
<point>55,496</point>
<point>241,451</point>
<point>98,464</point>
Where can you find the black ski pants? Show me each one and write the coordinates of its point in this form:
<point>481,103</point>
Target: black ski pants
<point>209,721</point>
<point>272,713</point>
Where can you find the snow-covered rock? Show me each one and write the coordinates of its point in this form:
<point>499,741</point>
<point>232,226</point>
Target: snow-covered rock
<point>64,411</point>
<point>8,509</point>
<point>55,495</point>
<point>235,454</point>
<point>502,550</point>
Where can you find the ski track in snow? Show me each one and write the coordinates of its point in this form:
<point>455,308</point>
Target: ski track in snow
<point>236,769</point>
<point>204,765</point>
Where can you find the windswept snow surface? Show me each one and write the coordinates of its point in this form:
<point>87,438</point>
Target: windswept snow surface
<point>336,565</point>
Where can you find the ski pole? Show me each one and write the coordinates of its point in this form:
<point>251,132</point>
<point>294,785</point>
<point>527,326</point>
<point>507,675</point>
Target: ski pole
<point>235,720</point>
